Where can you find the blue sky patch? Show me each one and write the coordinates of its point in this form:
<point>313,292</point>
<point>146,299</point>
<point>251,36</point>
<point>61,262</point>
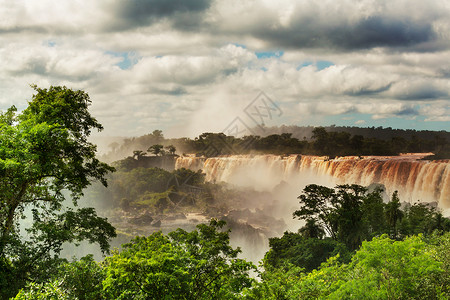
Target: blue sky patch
<point>240,45</point>
<point>305,64</point>
<point>323,64</point>
<point>129,59</point>
<point>269,54</point>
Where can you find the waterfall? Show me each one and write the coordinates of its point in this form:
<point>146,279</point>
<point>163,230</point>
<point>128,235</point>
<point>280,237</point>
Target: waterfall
<point>414,179</point>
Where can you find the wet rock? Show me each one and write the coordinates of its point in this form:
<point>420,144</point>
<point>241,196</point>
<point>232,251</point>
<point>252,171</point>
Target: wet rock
<point>179,216</point>
<point>156,223</point>
<point>141,220</point>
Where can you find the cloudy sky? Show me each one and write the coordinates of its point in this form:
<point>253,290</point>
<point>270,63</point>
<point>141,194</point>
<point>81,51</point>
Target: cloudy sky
<point>192,66</point>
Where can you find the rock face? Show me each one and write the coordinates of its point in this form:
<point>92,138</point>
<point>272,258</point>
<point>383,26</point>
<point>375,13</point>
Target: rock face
<point>166,162</point>
<point>157,223</point>
<point>142,220</point>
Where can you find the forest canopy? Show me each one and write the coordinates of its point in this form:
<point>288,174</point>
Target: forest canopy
<point>330,141</point>
<point>352,245</point>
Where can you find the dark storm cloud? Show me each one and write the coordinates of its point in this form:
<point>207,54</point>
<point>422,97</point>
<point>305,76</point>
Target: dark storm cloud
<point>309,26</point>
<point>137,13</point>
<point>407,112</point>
<point>427,93</point>
<point>380,32</point>
<point>369,91</point>
<point>374,31</point>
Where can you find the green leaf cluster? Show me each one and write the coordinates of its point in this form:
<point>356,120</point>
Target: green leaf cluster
<point>44,155</point>
<point>382,268</point>
<point>199,264</point>
<point>183,265</point>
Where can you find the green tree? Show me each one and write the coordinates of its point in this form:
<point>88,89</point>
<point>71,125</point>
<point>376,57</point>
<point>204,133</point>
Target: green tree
<point>422,218</point>
<point>50,290</point>
<point>156,149</point>
<point>126,164</point>
<point>277,284</point>
<point>381,269</point>
<point>171,149</point>
<point>357,143</point>
<point>373,214</point>
<point>183,265</point>
<point>321,140</point>
<point>351,214</point>
<point>80,280</point>
<point>311,230</point>
<point>388,269</point>
<point>439,246</point>
<point>136,182</point>
<point>137,154</point>
<point>393,214</point>
<point>316,204</point>
<point>186,176</point>
<point>348,204</point>
<point>307,253</point>
<point>44,151</point>
<point>339,211</point>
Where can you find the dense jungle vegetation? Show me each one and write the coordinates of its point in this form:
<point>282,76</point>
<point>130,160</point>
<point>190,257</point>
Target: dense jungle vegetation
<point>352,246</point>
<point>320,141</point>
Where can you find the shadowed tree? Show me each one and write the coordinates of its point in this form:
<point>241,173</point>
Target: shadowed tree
<point>311,230</point>
<point>393,214</point>
<point>156,149</point>
<point>137,154</point>
<point>349,205</point>
<point>373,210</point>
<point>339,212</point>
<point>171,149</point>
<point>316,203</point>
<point>320,137</point>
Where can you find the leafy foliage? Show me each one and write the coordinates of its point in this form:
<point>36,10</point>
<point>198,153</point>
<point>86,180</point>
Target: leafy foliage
<point>381,269</point>
<point>386,269</point>
<point>183,265</point>
<point>146,187</point>
<point>422,218</point>
<point>43,152</point>
<point>51,290</point>
<point>339,212</point>
<point>81,280</point>
<point>308,253</point>
<point>156,149</point>
<point>349,215</point>
<point>277,284</point>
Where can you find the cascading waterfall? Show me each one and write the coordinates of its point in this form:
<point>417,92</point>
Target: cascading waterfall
<point>414,179</point>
